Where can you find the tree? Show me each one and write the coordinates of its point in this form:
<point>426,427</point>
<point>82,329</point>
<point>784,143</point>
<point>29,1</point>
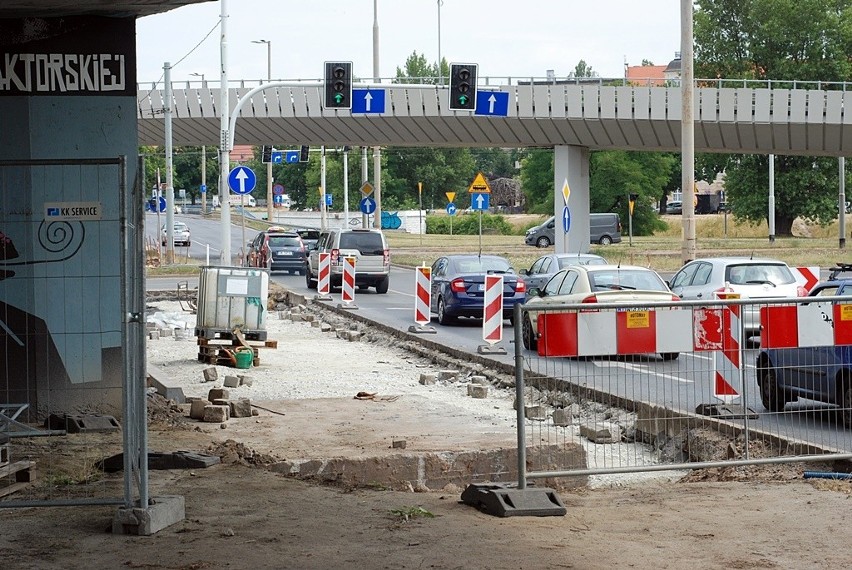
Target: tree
<point>582,69</point>
<point>537,180</point>
<point>418,70</point>
<point>803,40</point>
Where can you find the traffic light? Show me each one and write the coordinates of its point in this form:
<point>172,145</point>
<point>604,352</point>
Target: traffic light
<point>266,154</point>
<point>303,153</point>
<point>338,84</point>
<point>463,86</point>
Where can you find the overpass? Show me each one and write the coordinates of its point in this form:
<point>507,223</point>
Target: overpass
<point>765,120</point>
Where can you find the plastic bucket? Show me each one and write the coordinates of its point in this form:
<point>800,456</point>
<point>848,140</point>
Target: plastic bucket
<point>244,358</point>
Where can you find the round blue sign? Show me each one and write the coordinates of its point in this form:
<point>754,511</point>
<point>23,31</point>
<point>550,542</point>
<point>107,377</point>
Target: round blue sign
<point>242,180</point>
<point>451,209</point>
<point>278,190</point>
<point>162,202</point>
<point>367,205</point>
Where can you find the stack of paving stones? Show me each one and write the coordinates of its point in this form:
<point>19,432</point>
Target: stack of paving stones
<point>218,407</point>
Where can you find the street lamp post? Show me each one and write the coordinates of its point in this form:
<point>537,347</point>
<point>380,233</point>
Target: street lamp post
<point>201,75</point>
<point>268,164</point>
<point>203,160</point>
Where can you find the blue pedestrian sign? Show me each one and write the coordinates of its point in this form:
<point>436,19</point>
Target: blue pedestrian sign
<point>367,205</point>
<point>566,219</point>
<point>451,209</point>
<point>494,103</point>
<point>480,201</point>
<point>242,180</point>
<point>328,200</point>
<point>277,157</point>
<point>368,100</point>
<point>291,156</point>
<point>203,188</point>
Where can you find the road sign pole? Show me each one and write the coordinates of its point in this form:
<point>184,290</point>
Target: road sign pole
<point>480,233</point>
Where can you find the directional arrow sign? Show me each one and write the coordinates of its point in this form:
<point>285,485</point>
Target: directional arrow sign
<point>494,103</point>
<point>367,205</point>
<point>566,219</point>
<point>277,157</point>
<point>480,201</point>
<point>291,156</point>
<point>451,209</point>
<point>368,100</point>
<point>242,180</point>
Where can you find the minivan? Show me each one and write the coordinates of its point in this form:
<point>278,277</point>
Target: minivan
<point>368,246</point>
<point>604,228</point>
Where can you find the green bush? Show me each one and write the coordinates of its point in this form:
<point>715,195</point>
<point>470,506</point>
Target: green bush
<point>468,224</point>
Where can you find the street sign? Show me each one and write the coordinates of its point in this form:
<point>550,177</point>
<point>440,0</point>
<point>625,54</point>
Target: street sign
<point>182,193</point>
<point>480,201</point>
<point>328,199</point>
<point>367,205</point>
<point>242,180</point>
<point>277,157</point>
<point>278,190</point>
<point>450,196</point>
<point>291,156</point>
<point>278,200</point>
<point>451,209</point>
<point>479,185</point>
<point>162,203</point>
<point>368,100</point>
<point>566,219</point>
<point>494,103</point>
<point>566,192</point>
<point>203,188</point>
<point>366,189</point>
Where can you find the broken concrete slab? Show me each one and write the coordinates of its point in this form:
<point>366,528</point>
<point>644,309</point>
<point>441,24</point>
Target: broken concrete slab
<point>601,432</point>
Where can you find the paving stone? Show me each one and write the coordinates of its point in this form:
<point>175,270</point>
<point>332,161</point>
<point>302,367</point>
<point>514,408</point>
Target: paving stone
<point>325,327</point>
<point>398,444</point>
<point>211,374</point>
<point>481,380</point>
<point>448,375</point>
<point>428,378</point>
<point>601,432</point>
<point>477,391</point>
<point>562,417</point>
<point>240,408</point>
<point>245,380</point>
<point>217,394</point>
<point>166,333</point>
<point>538,413</point>
<point>231,381</point>
<point>215,414</point>
<point>196,408</point>
<point>154,335</point>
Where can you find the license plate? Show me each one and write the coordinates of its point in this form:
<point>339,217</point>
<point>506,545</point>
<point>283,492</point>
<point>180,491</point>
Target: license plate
<point>480,287</point>
<point>284,253</point>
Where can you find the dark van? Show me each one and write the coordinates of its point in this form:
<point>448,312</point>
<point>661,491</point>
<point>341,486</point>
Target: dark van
<point>604,228</point>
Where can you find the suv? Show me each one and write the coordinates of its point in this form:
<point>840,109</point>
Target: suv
<point>277,250</point>
<point>372,267</point>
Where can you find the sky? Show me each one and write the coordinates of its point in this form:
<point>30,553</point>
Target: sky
<point>506,38</point>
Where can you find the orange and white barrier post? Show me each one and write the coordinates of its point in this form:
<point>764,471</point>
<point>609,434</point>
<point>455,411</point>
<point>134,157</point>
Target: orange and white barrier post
<point>422,300</point>
<point>492,315</point>
<point>727,381</point>
<point>348,289</point>
<point>324,276</point>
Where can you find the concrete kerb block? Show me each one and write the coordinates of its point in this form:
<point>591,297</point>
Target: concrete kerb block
<point>196,409</point>
<point>601,432</point>
<point>428,378</point>
<point>216,414</point>
<point>562,417</point>
<point>240,408</point>
<point>448,375</point>
<point>154,335</point>
<point>231,381</point>
<point>218,394</point>
<point>481,380</point>
<point>166,332</point>
<point>211,374</point>
<point>477,391</point>
<point>163,512</point>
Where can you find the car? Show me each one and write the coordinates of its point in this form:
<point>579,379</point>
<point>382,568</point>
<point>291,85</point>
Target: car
<point>750,278</point>
<point>819,373</point>
<point>277,249</point>
<point>458,286</point>
<point>674,207</point>
<point>368,246</point>
<point>182,235</point>
<point>310,237</point>
<point>546,266</point>
<point>627,284</point>
<point>604,228</point>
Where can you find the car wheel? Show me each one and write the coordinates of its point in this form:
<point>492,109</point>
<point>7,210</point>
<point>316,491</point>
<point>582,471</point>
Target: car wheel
<point>443,317</point>
<point>382,286</point>
<point>668,356</point>
<point>528,335</point>
<point>846,404</point>
<point>771,396</point>
<point>312,284</point>
<point>542,242</point>
<point>605,240</point>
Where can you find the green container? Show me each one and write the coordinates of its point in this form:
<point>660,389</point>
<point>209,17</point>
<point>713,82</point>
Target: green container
<point>244,358</point>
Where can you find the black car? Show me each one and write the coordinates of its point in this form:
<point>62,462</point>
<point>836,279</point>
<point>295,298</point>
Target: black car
<point>278,250</point>
<point>309,237</point>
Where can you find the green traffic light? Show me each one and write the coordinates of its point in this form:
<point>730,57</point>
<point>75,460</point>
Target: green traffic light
<point>463,99</point>
<point>338,98</point>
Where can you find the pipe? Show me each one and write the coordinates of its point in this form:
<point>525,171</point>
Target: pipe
<point>826,475</point>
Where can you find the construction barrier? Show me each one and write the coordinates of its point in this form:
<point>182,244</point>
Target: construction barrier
<point>492,311</point>
<point>348,286</point>
<point>422,295</point>
<point>324,274</point>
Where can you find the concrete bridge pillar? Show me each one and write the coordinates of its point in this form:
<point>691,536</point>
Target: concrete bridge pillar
<point>571,167</point>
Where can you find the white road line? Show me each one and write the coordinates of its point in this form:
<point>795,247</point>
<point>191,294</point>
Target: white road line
<point>641,369</point>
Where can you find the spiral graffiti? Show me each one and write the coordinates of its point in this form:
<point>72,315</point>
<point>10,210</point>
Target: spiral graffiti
<point>55,237</point>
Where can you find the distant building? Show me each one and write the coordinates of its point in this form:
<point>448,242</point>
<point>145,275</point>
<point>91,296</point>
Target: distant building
<point>653,75</point>
<point>242,153</point>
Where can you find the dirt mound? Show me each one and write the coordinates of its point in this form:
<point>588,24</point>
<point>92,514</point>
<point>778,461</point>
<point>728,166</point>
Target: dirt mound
<point>232,452</point>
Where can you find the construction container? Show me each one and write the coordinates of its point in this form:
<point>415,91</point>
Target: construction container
<point>231,298</point>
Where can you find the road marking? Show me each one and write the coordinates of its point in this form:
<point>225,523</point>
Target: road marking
<point>641,369</point>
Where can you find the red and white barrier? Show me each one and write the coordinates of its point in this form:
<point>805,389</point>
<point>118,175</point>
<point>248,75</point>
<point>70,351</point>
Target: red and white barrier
<point>422,295</point>
<point>324,274</point>
<point>814,324</point>
<point>600,333</point>
<point>807,277</point>
<point>492,315</point>
<point>348,289</point>
<point>727,381</point>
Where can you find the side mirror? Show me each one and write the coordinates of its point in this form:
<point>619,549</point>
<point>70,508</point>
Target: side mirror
<point>533,292</point>
<point>523,272</point>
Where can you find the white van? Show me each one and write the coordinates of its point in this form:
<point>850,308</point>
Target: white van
<point>604,228</point>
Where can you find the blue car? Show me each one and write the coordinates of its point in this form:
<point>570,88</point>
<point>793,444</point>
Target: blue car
<point>458,286</point>
<point>822,373</point>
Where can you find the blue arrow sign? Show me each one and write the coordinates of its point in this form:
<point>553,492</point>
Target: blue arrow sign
<point>162,203</point>
<point>451,209</point>
<point>203,188</point>
<point>367,205</point>
<point>368,100</point>
<point>566,219</point>
<point>242,180</point>
<point>494,103</point>
<point>277,157</point>
<point>480,201</point>
<point>292,156</point>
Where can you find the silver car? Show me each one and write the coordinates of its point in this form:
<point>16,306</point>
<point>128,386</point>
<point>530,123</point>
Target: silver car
<point>750,278</point>
<point>546,266</point>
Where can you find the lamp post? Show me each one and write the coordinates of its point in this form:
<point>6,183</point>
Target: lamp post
<point>203,160</point>
<point>440,71</point>
<point>268,164</point>
<point>201,75</point>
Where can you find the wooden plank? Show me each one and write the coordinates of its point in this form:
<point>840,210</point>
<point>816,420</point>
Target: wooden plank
<point>24,472</point>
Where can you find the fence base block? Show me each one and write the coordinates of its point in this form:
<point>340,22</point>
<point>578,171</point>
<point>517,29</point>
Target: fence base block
<point>490,349</point>
<point>422,329</point>
<point>726,411</point>
<point>501,501</point>
<point>351,306</point>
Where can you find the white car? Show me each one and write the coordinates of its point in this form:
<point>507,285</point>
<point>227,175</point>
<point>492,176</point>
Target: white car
<point>750,278</point>
<point>181,233</point>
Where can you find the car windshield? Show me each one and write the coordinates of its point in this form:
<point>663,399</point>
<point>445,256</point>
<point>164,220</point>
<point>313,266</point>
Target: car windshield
<point>626,279</point>
<point>365,242</point>
<point>284,241</point>
<point>482,265</point>
<point>759,273</point>
<point>580,260</point>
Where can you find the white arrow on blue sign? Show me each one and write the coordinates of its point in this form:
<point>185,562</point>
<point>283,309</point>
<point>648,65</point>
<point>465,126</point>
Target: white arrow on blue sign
<point>277,157</point>
<point>566,219</point>
<point>367,205</point>
<point>242,180</point>
<point>162,203</point>
<point>494,103</point>
<point>292,156</point>
<point>451,209</point>
<point>368,100</point>
<point>480,201</point>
